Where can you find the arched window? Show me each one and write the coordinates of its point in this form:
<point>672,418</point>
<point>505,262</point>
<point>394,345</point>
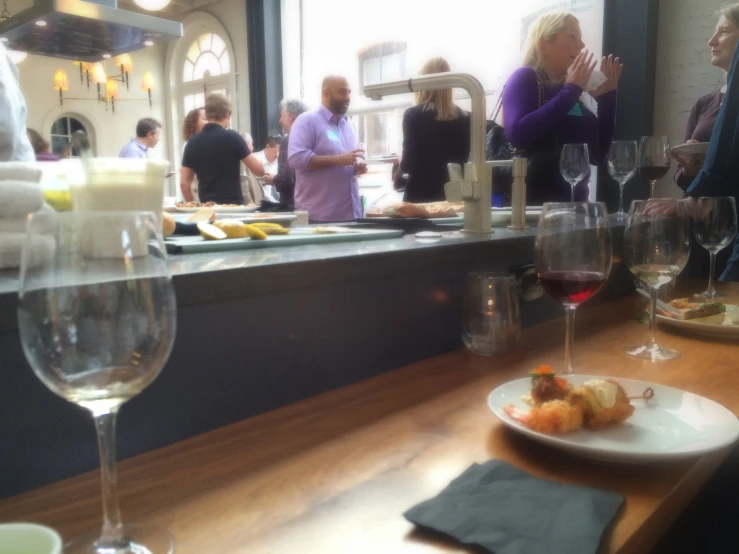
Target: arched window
<point>206,69</point>
<point>61,132</point>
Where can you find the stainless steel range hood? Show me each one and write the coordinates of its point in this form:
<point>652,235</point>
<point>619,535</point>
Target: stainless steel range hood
<point>84,31</point>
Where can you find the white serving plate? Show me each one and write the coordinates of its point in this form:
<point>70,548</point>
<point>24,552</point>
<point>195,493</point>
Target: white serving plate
<point>708,326</point>
<point>691,148</point>
<point>674,424</point>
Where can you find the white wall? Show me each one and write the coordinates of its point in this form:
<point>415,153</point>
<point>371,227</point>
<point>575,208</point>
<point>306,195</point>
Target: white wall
<point>684,70</point>
<point>111,131</point>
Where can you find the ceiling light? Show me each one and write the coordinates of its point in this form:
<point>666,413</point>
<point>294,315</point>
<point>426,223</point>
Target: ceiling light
<point>41,23</point>
<point>106,56</point>
<point>146,42</point>
<point>152,5</point>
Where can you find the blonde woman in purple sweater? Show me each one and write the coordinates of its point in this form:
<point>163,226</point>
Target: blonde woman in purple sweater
<point>543,107</point>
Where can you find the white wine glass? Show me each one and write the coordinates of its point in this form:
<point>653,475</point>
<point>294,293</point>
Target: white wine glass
<point>97,320</point>
<point>656,249</point>
<point>715,228</point>
<point>574,165</point>
<point>622,167</point>
<point>573,254</point>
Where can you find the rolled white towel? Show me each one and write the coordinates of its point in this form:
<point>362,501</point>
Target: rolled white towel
<point>11,245</point>
<point>20,171</point>
<point>18,224</point>
<point>19,198</point>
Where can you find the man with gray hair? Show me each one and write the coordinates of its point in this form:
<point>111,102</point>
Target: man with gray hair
<point>284,180</point>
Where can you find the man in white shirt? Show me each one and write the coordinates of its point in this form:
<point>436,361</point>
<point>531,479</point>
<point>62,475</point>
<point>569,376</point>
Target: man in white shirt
<point>269,156</point>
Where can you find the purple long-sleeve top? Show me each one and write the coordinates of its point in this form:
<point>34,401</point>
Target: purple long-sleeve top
<point>329,194</point>
<point>562,118</point>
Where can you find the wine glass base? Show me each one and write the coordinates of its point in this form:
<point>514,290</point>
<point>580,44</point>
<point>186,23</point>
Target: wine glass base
<point>140,539</point>
<point>710,295</point>
<point>653,353</point>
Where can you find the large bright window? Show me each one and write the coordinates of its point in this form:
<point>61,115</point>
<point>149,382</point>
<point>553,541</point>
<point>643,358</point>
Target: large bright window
<point>392,39</point>
<point>205,70</point>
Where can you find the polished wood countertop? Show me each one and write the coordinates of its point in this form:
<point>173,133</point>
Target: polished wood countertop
<point>334,474</point>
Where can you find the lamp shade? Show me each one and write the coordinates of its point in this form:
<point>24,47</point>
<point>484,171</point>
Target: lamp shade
<point>98,74</point>
<point>147,81</point>
<point>16,56</point>
<point>60,80</point>
<point>124,61</point>
<point>111,90</point>
<point>152,5</point>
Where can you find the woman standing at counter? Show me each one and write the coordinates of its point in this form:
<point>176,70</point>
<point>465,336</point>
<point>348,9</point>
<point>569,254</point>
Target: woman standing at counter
<point>435,132</point>
<point>705,111</point>
<point>194,123</point>
<point>543,107</point>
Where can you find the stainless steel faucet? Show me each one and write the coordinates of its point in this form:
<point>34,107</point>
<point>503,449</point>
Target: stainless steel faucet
<point>476,184</point>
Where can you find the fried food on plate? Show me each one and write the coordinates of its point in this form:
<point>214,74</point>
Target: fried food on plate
<point>593,405</point>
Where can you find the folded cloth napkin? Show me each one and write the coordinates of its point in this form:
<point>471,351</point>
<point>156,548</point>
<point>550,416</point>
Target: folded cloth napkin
<point>507,511</point>
<point>20,171</point>
<point>19,198</point>
<point>41,249</point>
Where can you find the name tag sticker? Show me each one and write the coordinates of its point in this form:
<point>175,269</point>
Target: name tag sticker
<point>332,135</point>
<point>576,110</point>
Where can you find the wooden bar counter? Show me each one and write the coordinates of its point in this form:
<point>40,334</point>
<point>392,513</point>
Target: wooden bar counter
<point>334,473</point>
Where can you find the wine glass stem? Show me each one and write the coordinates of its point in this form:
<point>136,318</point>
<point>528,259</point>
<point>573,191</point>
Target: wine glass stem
<point>621,201</point>
<point>652,186</point>
<point>572,193</point>
<point>652,342</point>
<point>569,337</point>
<point>711,286</point>
<point>112,533</point>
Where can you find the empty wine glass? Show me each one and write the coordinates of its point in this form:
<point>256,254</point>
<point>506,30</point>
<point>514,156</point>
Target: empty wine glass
<point>656,249</point>
<point>97,319</point>
<point>654,160</point>
<point>622,167</point>
<point>714,227</point>
<point>573,256</point>
<point>574,165</point>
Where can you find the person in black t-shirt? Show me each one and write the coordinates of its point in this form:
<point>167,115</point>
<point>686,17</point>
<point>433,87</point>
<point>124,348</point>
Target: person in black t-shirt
<point>215,155</point>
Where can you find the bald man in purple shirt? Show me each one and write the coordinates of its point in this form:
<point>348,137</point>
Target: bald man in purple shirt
<point>324,153</point>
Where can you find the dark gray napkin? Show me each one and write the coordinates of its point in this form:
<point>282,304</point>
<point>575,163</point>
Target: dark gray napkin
<point>507,511</point>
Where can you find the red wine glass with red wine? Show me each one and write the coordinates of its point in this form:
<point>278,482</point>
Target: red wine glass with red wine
<point>573,254</point>
<point>654,160</point>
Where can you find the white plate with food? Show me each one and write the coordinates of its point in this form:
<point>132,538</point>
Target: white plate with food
<point>671,424</point>
<point>691,148</point>
<point>713,319</point>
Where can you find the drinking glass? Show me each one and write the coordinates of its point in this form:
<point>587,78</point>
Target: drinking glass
<point>654,160</point>
<point>574,164</point>
<point>573,256</point>
<point>656,249</point>
<point>622,167</point>
<point>714,227</point>
<point>491,320</point>
<point>97,317</point>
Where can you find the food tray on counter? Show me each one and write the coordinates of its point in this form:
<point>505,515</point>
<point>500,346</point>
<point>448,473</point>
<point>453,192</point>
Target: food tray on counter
<point>302,236</point>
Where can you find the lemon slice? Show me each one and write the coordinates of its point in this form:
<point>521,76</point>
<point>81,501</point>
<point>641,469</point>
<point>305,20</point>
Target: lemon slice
<point>211,232</point>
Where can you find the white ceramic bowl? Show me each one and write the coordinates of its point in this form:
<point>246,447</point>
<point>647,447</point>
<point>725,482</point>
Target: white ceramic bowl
<point>29,538</point>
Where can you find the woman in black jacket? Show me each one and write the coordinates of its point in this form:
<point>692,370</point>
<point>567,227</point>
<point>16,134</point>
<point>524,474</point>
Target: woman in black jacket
<point>435,132</point>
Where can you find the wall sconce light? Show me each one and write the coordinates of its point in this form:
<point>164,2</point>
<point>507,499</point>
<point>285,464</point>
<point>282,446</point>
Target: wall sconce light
<point>147,84</point>
<point>99,77</point>
<point>111,93</point>
<point>61,84</point>
<point>126,66</point>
